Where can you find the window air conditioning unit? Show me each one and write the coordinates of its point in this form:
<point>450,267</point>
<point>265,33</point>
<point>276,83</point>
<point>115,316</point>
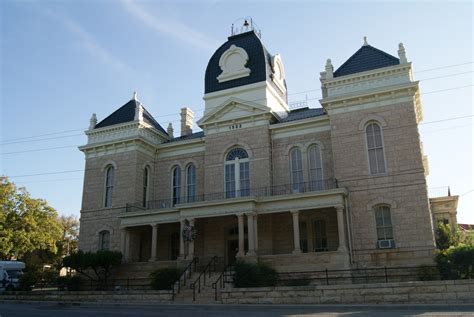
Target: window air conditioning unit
<point>386,244</point>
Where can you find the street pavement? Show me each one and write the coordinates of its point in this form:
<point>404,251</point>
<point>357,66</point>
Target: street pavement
<point>16,309</point>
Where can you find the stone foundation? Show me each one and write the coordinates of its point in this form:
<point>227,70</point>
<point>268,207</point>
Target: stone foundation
<point>433,292</point>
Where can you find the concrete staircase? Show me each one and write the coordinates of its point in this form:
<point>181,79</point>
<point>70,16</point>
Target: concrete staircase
<point>207,294</point>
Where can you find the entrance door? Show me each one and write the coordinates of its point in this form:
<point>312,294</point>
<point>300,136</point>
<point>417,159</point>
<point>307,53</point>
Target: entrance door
<point>232,249</point>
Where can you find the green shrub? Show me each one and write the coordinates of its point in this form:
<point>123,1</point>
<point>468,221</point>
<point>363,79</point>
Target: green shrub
<point>428,273</point>
<point>254,275</point>
<point>70,283</point>
<point>28,280</point>
<point>163,279</point>
<point>456,262</point>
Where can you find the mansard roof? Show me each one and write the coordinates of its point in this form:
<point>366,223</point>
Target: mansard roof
<point>259,63</point>
<point>366,58</point>
<point>126,113</point>
<point>303,113</point>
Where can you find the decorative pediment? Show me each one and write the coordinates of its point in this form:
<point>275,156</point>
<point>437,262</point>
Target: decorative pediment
<point>232,63</point>
<point>233,109</point>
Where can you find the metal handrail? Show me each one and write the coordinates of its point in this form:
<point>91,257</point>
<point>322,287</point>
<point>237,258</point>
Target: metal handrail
<point>275,190</point>
<point>221,279</point>
<point>207,269</point>
<point>186,272</point>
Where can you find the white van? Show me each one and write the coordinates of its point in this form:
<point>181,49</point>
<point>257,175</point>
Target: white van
<point>10,272</point>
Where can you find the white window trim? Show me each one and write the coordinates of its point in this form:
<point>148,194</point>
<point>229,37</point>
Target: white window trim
<point>104,200</point>
<point>180,184</point>
<point>302,165</point>
<point>147,169</point>
<point>187,183</point>
<point>374,208</point>
<point>367,148</point>
<point>308,154</point>
<point>236,163</point>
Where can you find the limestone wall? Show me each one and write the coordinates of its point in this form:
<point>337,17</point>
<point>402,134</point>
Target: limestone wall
<point>438,292</point>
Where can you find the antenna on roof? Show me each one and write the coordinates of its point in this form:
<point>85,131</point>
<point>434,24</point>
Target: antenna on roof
<point>247,25</point>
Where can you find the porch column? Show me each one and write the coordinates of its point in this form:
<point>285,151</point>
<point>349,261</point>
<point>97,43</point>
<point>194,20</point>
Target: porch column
<point>123,238</point>
<point>181,240</point>
<point>240,219</point>
<point>251,234</point>
<point>190,255</point>
<point>127,246</point>
<point>154,237</point>
<point>296,231</point>
<point>340,228</point>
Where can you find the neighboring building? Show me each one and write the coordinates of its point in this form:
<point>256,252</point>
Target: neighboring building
<point>311,188</point>
<point>444,209</point>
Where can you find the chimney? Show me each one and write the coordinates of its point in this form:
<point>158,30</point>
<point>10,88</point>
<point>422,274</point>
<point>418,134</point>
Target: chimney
<point>170,130</point>
<point>187,117</point>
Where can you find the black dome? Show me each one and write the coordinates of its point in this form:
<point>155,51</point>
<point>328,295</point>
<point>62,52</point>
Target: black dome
<point>259,63</point>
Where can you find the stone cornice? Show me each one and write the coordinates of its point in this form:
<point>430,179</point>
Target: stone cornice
<point>370,74</point>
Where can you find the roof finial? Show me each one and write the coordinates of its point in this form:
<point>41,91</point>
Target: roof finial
<point>402,54</point>
<point>138,112</point>
<point>365,41</point>
<point>135,96</point>
<point>329,69</point>
<point>93,122</point>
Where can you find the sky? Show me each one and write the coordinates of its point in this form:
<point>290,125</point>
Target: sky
<point>61,61</point>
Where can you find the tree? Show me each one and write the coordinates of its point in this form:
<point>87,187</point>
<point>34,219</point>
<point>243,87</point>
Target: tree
<point>26,224</point>
<point>446,237</point>
<point>99,263</point>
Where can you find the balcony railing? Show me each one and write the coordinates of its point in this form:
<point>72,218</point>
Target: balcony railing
<point>277,190</point>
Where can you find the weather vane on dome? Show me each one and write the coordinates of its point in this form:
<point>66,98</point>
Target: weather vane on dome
<point>247,25</point>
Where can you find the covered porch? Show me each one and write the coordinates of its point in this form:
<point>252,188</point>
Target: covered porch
<point>305,238</point>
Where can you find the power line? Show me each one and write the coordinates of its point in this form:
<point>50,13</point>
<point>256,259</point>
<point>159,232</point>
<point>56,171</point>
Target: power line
<point>39,150</point>
<point>295,93</point>
<point>44,139</point>
<point>332,137</point>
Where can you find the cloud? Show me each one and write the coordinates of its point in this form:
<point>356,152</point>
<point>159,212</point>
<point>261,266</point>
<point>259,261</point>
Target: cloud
<point>88,42</point>
<point>171,27</point>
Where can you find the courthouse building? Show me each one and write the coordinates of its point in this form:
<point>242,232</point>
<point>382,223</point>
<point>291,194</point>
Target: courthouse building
<point>338,186</point>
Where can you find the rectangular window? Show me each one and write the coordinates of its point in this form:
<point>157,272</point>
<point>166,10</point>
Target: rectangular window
<point>229,181</point>
<point>244,179</point>
<point>375,148</point>
<point>384,223</point>
<point>320,236</point>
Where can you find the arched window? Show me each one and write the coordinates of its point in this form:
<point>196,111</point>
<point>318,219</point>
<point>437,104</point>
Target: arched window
<point>296,164</point>
<point>315,168</point>
<point>146,185</point>
<point>109,185</point>
<point>104,240</point>
<point>237,174</point>
<point>383,223</point>
<point>375,148</point>
<point>191,183</point>
<point>176,184</point>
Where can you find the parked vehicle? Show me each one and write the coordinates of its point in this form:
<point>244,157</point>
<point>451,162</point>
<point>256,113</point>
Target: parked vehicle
<point>10,273</point>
